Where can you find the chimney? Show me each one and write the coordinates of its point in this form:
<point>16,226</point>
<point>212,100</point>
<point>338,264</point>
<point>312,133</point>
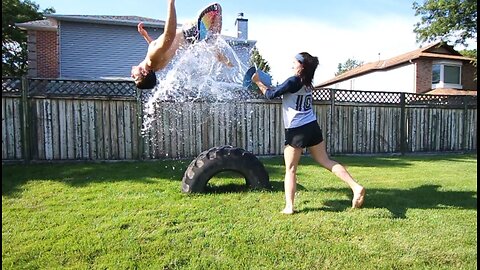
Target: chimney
<point>242,27</point>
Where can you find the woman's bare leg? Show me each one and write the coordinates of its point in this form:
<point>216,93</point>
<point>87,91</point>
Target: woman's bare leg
<point>319,154</point>
<point>292,157</point>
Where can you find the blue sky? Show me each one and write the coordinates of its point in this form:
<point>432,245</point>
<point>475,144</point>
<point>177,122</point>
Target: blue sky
<point>334,31</point>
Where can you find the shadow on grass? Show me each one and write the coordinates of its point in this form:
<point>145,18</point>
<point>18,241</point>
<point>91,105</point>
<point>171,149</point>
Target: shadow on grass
<point>82,174</point>
<point>85,173</point>
<point>398,201</point>
<point>277,186</point>
<point>392,160</point>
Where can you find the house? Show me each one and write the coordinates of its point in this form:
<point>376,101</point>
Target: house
<point>99,47</point>
<point>434,69</point>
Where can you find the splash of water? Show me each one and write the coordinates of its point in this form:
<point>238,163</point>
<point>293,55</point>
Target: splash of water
<point>196,74</point>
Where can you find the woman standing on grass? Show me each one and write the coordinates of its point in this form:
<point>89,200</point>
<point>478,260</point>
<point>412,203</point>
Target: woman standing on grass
<point>302,129</point>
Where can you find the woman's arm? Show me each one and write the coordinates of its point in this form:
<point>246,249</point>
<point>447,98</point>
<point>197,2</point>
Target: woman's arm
<point>291,85</point>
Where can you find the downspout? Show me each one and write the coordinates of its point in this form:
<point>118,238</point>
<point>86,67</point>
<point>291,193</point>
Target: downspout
<point>414,76</point>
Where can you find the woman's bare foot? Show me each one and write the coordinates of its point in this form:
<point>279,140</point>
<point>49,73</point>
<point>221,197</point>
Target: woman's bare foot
<point>287,211</point>
<point>358,198</point>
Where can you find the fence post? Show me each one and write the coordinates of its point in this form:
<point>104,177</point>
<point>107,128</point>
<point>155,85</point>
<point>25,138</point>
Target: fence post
<point>332,120</point>
<point>139,123</point>
<point>403,131</point>
<point>25,119</point>
<point>465,122</point>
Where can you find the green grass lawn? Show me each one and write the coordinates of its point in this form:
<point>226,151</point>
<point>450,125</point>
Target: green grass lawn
<point>420,212</point>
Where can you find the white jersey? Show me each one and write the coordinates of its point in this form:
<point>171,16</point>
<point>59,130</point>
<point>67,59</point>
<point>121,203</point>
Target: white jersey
<point>296,102</point>
<point>297,108</point>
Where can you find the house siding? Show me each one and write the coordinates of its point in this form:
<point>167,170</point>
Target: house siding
<point>399,79</point>
<point>99,50</point>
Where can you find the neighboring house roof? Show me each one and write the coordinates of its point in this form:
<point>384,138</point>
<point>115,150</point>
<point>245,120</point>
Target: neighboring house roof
<point>238,41</point>
<point>41,25</point>
<point>449,91</point>
<point>50,24</point>
<point>425,52</point>
<point>108,19</point>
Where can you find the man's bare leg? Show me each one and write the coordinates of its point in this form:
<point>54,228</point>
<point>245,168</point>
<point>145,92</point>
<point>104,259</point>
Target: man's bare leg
<point>171,24</point>
<point>156,56</point>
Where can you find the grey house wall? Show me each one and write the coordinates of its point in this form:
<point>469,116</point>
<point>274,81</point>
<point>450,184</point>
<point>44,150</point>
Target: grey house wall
<point>100,50</point>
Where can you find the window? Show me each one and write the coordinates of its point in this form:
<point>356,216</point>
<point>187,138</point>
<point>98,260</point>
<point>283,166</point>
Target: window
<point>435,74</point>
<point>446,74</point>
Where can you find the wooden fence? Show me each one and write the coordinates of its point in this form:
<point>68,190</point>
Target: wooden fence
<point>46,120</point>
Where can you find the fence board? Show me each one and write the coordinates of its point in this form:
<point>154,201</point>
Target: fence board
<point>70,125</point>
<point>5,137</point>
<point>99,131</point>
<point>55,130</point>
<point>41,129</point>
<point>62,130</point>
<point>11,118</point>
<point>92,126</point>
<point>11,128</point>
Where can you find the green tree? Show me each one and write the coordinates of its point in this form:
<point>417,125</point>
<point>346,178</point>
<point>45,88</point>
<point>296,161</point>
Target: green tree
<point>348,65</point>
<point>469,53</point>
<point>472,54</point>
<point>257,59</point>
<point>14,40</point>
<point>446,20</point>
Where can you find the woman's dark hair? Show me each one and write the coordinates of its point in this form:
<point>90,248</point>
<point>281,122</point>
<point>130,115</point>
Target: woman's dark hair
<point>309,64</point>
<point>147,82</point>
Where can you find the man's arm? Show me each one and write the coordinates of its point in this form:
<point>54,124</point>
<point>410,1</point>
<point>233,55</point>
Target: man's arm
<point>223,59</point>
<point>144,32</point>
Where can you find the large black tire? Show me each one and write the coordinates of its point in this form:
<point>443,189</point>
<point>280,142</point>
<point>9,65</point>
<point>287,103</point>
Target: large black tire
<point>220,159</point>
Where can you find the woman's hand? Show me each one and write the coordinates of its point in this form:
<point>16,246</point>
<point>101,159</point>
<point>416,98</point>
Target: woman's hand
<point>255,78</point>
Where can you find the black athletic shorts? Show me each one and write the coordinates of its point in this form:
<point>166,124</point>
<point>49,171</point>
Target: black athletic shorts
<point>304,136</point>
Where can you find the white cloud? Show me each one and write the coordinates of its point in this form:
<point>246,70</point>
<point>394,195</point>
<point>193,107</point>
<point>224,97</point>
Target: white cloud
<point>279,39</point>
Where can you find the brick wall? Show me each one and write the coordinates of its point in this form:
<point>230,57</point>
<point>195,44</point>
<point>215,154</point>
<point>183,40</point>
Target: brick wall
<point>424,76</point>
<point>47,54</point>
<point>468,73</point>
